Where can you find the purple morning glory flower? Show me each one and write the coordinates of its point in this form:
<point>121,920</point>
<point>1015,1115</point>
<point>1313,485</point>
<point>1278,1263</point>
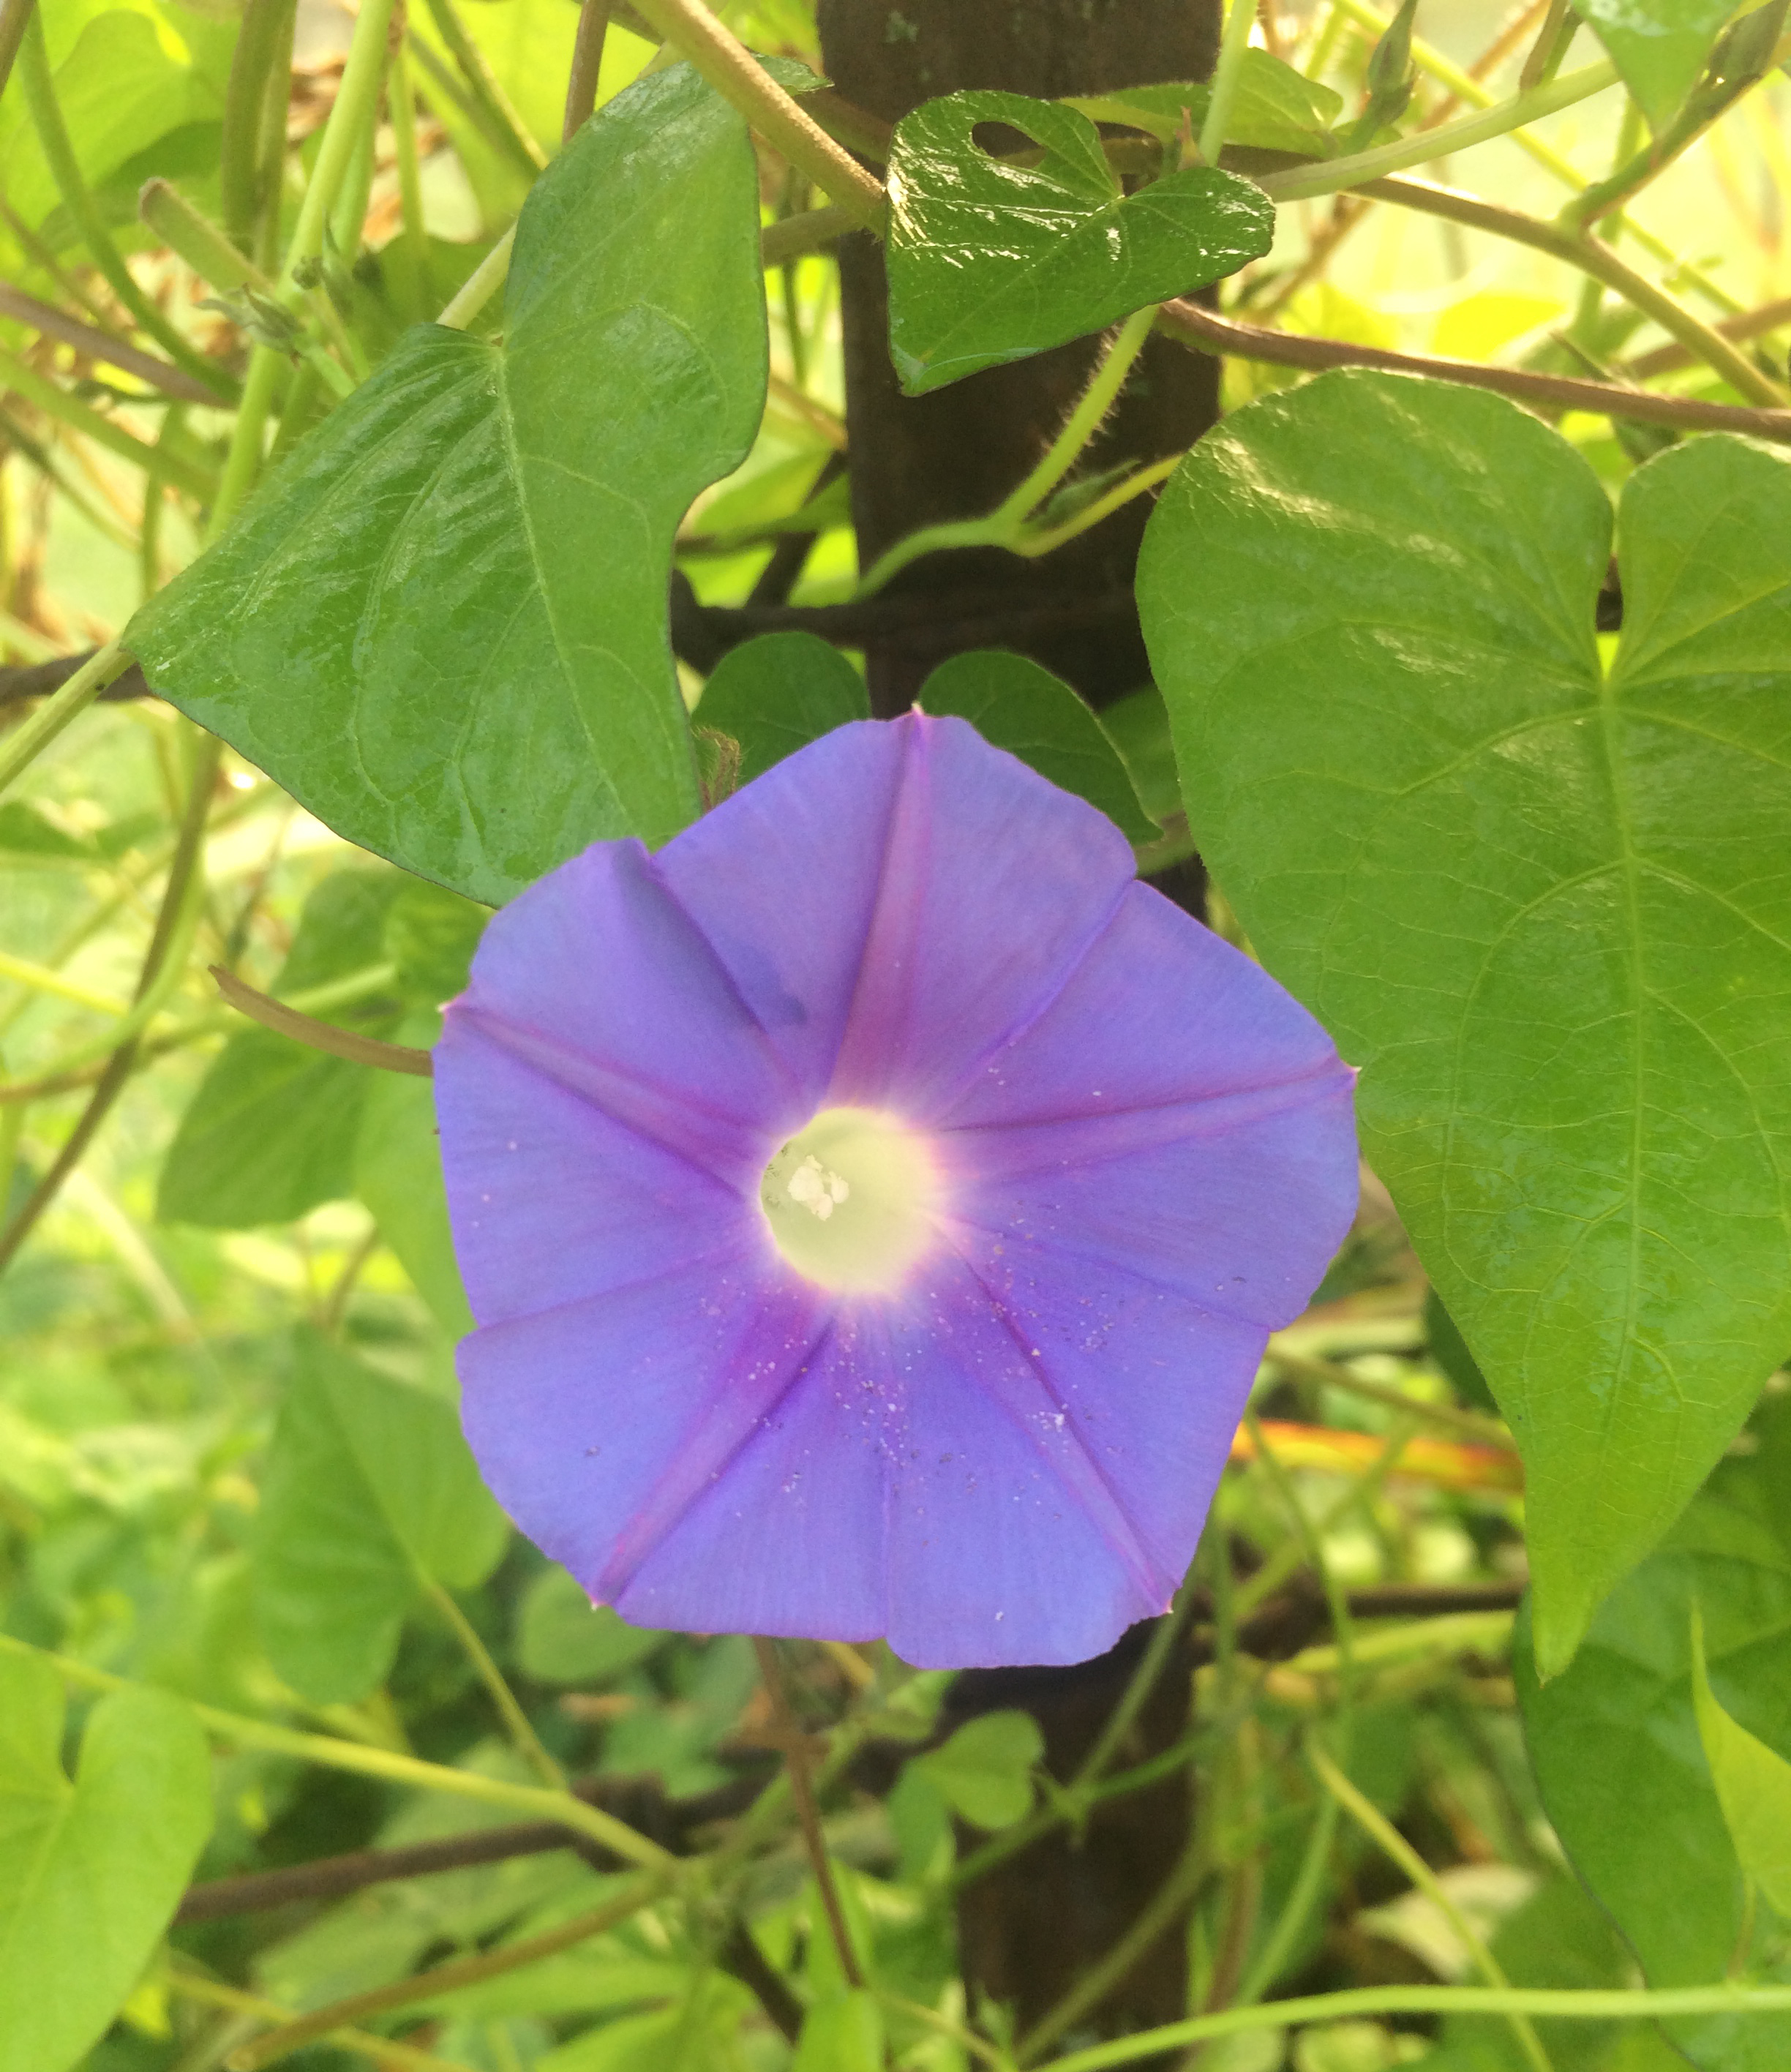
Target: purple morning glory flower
<point>874,1205</point>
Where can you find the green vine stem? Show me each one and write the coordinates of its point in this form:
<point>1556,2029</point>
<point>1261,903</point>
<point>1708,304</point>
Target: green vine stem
<point>502,124</point>
<point>389,2056</point>
<point>738,77</point>
<point>1233,44</point>
<point>516,1721</point>
<point>1006,526</point>
<point>1552,2004</point>
<point>55,402</point>
<point>261,45</point>
<point>58,153</point>
<point>481,284</point>
<point>1590,256</point>
<point>451,1977</point>
<point>351,119</point>
<point>1398,1850</point>
<point>386,1764</point>
<point>181,898</point>
<point>1465,87</point>
<point>1332,175</point>
<point>1207,333</point>
<point>26,743</point>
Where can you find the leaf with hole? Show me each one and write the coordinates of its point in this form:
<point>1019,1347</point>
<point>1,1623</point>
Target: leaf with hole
<point>442,623</point>
<point>369,1490</point>
<point>91,1871</point>
<point>1019,706</point>
<point>993,259</point>
<point>1546,910</point>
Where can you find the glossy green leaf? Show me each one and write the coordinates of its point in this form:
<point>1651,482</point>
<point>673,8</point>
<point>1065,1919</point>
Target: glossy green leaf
<point>441,624</point>
<point>562,1637</point>
<point>984,1771</point>
<point>1659,46</point>
<point>991,261</point>
<point>1753,1785</point>
<point>369,1489</point>
<point>777,692</point>
<point>1274,108</point>
<point>1548,914</point>
<point>1019,706</point>
<point>1614,1745</point>
<point>272,1130</point>
<point>91,1871</point>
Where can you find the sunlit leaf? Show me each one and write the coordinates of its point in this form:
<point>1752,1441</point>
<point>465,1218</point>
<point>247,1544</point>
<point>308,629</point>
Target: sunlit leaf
<point>441,625</point>
<point>1548,912</point>
<point>90,1871</point>
<point>1753,1785</point>
<point>1659,46</point>
<point>1274,108</point>
<point>991,261</point>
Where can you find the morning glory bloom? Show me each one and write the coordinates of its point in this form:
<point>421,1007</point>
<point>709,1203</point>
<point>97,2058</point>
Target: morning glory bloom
<point>874,1205</point>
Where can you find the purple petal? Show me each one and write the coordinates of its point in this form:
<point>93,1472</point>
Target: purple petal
<point>552,1200</point>
<point>834,889</point>
<point>596,1423</point>
<point>599,962</point>
<point>996,884</point>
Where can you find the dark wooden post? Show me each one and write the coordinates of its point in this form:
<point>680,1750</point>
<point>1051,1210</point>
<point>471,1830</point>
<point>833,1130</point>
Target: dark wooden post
<point>1031,1927</point>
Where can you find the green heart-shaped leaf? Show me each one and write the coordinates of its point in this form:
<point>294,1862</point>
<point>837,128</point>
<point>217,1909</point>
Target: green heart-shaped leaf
<point>991,260</point>
<point>90,1872</point>
<point>370,1489</point>
<point>441,625</point>
<point>1545,907</point>
<point>1273,107</point>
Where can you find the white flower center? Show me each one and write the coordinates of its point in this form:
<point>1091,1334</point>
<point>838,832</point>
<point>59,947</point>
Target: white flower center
<point>849,1200</point>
